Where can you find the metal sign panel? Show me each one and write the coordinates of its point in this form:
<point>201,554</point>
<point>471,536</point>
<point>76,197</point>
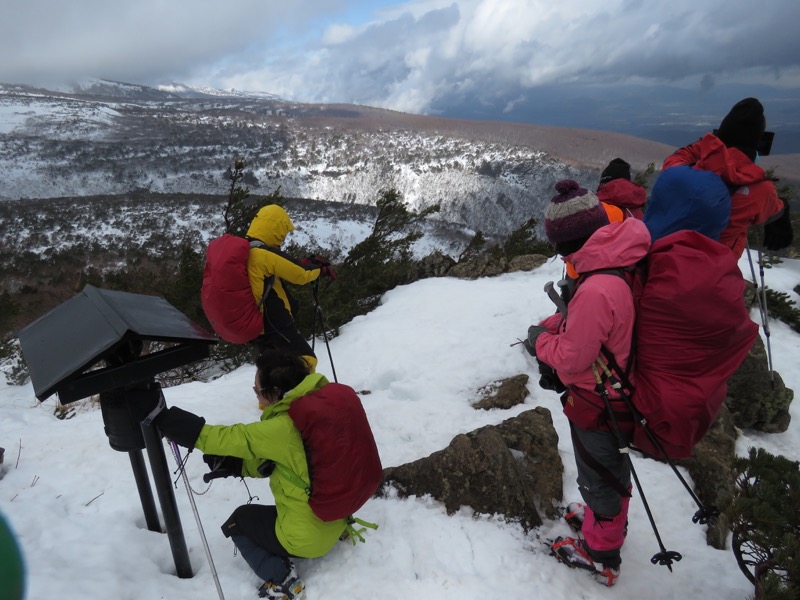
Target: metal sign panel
<point>95,325</point>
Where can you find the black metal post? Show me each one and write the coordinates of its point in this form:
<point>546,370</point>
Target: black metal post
<point>166,496</point>
<point>145,491</point>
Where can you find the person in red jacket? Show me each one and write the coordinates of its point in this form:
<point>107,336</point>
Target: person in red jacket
<point>617,190</point>
<point>601,314</point>
<point>732,152</point>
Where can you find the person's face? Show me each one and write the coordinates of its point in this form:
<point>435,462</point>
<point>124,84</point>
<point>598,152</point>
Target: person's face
<point>262,394</point>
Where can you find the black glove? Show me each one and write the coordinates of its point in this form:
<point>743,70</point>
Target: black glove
<point>222,466</point>
<point>548,379</point>
<point>778,234</point>
<point>179,425</point>
<point>534,331</point>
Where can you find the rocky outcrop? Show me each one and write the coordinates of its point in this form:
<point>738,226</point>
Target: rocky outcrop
<point>757,398</point>
<point>482,265</point>
<point>488,264</point>
<point>436,264</point>
<point>512,469</point>
<point>504,394</point>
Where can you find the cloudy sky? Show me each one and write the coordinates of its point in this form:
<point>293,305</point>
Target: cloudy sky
<point>420,56</point>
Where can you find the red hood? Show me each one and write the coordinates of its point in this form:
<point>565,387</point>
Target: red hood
<point>615,245</point>
<point>729,163</point>
<point>622,193</point>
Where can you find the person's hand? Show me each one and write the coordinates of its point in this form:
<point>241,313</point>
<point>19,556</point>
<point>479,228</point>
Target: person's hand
<point>222,466</point>
<point>316,261</point>
<point>534,331</point>
<point>778,234</point>
<point>180,426</point>
<point>324,266</point>
<point>327,271</point>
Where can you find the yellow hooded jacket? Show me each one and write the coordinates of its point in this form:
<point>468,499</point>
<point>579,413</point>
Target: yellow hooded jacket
<point>271,226</point>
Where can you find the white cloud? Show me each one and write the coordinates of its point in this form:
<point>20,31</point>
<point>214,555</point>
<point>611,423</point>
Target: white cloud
<point>408,55</point>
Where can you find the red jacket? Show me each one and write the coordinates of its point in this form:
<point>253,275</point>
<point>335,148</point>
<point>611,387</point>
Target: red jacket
<point>755,199</point>
<point>625,194</point>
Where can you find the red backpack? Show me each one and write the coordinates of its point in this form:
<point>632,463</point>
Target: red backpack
<point>692,332</point>
<point>343,460</point>
<point>226,296</point>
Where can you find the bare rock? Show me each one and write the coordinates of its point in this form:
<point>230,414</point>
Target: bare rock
<point>754,400</point>
<point>511,469</point>
<point>504,394</point>
<point>526,262</point>
<point>482,265</point>
<point>436,264</point>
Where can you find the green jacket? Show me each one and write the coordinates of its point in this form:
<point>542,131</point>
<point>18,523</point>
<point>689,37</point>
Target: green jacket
<point>276,438</point>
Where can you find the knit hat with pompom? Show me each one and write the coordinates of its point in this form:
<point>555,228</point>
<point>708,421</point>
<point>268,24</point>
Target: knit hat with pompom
<point>573,215</point>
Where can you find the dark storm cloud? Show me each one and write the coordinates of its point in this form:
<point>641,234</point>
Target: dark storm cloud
<point>411,57</point>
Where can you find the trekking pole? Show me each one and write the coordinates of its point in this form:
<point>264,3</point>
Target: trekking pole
<point>318,311</point>
<point>761,297</point>
<point>766,311</point>
<point>664,557</point>
<point>704,514</point>
<point>177,455</point>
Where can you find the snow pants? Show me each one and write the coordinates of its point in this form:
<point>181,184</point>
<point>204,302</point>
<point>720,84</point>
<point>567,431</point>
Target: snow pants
<point>600,463</point>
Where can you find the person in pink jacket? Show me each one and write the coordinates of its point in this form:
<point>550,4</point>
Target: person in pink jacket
<point>600,314</point>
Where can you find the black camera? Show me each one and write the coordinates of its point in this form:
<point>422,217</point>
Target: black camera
<point>765,143</point>
<point>548,378</point>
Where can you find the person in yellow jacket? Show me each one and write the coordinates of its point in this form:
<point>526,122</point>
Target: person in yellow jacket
<point>268,268</point>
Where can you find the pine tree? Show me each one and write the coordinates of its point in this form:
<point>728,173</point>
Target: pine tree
<point>380,262</point>
<point>524,240</point>
<point>765,519</point>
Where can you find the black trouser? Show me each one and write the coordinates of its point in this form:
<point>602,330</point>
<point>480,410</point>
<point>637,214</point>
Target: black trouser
<point>252,529</point>
<point>288,338</point>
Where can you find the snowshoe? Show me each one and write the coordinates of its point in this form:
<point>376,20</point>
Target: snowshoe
<point>573,553</point>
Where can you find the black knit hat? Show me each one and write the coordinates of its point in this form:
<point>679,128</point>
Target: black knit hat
<point>574,214</point>
<point>616,169</point>
<point>743,126</point>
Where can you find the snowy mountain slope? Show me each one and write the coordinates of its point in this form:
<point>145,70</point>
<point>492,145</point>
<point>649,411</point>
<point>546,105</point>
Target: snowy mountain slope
<point>113,138</point>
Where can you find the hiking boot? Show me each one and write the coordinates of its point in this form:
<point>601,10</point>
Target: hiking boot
<point>574,553</point>
<point>292,588</point>
<point>574,514</point>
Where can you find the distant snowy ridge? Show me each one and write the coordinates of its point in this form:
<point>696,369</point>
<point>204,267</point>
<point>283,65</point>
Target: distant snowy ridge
<point>114,138</point>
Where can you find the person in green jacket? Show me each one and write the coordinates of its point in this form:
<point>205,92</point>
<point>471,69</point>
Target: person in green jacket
<point>268,537</point>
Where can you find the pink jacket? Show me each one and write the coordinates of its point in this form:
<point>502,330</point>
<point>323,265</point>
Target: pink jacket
<point>601,313</point>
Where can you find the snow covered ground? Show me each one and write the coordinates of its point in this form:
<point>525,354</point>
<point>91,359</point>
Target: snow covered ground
<point>422,354</point>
